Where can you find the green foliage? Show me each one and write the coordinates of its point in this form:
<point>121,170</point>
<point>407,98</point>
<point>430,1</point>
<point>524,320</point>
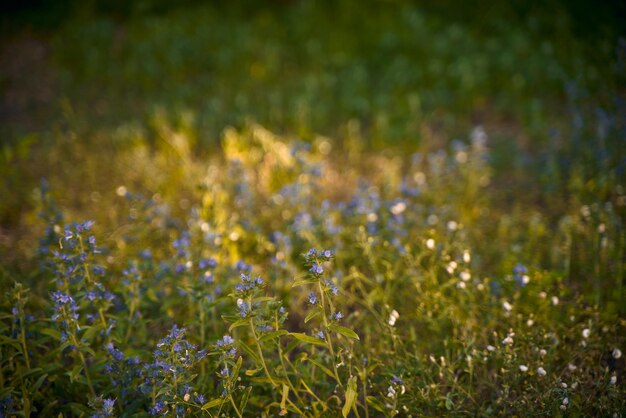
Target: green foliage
<point>283,225</point>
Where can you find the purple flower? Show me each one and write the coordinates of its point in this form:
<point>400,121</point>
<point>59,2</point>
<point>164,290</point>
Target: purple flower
<point>225,341</point>
<point>316,269</point>
<point>312,298</point>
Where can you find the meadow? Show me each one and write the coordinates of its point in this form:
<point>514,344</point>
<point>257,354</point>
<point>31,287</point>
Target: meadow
<point>313,209</point>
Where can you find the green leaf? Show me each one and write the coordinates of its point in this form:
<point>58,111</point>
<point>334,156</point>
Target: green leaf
<point>315,312</point>
<point>346,332</point>
<point>308,339</point>
<point>212,404</point>
<point>252,372</point>
<point>322,367</point>
<point>244,398</point>
<point>375,403</point>
<point>263,299</point>
<point>249,351</point>
<point>238,323</point>
<point>38,383</point>
<point>303,282</point>
<point>350,397</point>
<point>273,334</point>
<point>51,333</point>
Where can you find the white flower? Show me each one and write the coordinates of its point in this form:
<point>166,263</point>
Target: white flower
<point>508,340</point>
<point>525,279</point>
<point>555,300</point>
<point>530,323</point>
<point>430,243</point>
<point>465,276</point>
<point>186,397</point>
<point>466,256</point>
<point>523,368</point>
<point>617,353</point>
<point>490,348</point>
<point>391,392</point>
<point>571,367</point>
<point>452,226</point>
<point>507,306</point>
<point>586,333</point>
<point>461,285</point>
<point>541,371</point>
<point>613,380</point>
<point>398,208</point>
<point>393,317</point>
<point>451,267</point>
<point>542,352</point>
<point>565,401</point>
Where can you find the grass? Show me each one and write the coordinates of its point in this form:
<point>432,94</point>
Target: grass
<point>465,176</point>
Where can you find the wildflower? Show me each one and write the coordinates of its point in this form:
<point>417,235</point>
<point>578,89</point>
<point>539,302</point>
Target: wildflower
<point>320,335</point>
<point>207,263</point>
<point>398,208</point>
<point>327,253</point>
<point>316,269</point>
<point>509,339</point>
<point>337,316</point>
<point>523,368</point>
<point>571,367</point>
<point>541,371</point>
<point>393,317</point>
<point>312,298</point>
<point>396,380</point>
<point>507,306</point>
<point>490,348</point>
<point>617,353</point>
<point>186,397</point>
<point>465,276</point>
<point>586,333</point>
<point>466,256</point>
<point>519,274</point>
<point>451,267</point>
<point>555,300</point>
<point>225,341</point>
<point>430,243</point>
<point>613,380</point>
<point>157,408</point>
<point>391,392</point>
<point>542,352</point>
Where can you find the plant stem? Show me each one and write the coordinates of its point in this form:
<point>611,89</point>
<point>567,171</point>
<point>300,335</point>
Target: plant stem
<point>232,401</point>
<point>258,346</point>
<point>82,359</point>
<point>327,335</point>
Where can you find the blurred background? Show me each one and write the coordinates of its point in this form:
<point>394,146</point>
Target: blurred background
<point>96,94</point>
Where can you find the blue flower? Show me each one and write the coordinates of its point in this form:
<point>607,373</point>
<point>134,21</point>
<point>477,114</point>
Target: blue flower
<point>316,269</point>
<point>312,298</point>
<point>225,341</point>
